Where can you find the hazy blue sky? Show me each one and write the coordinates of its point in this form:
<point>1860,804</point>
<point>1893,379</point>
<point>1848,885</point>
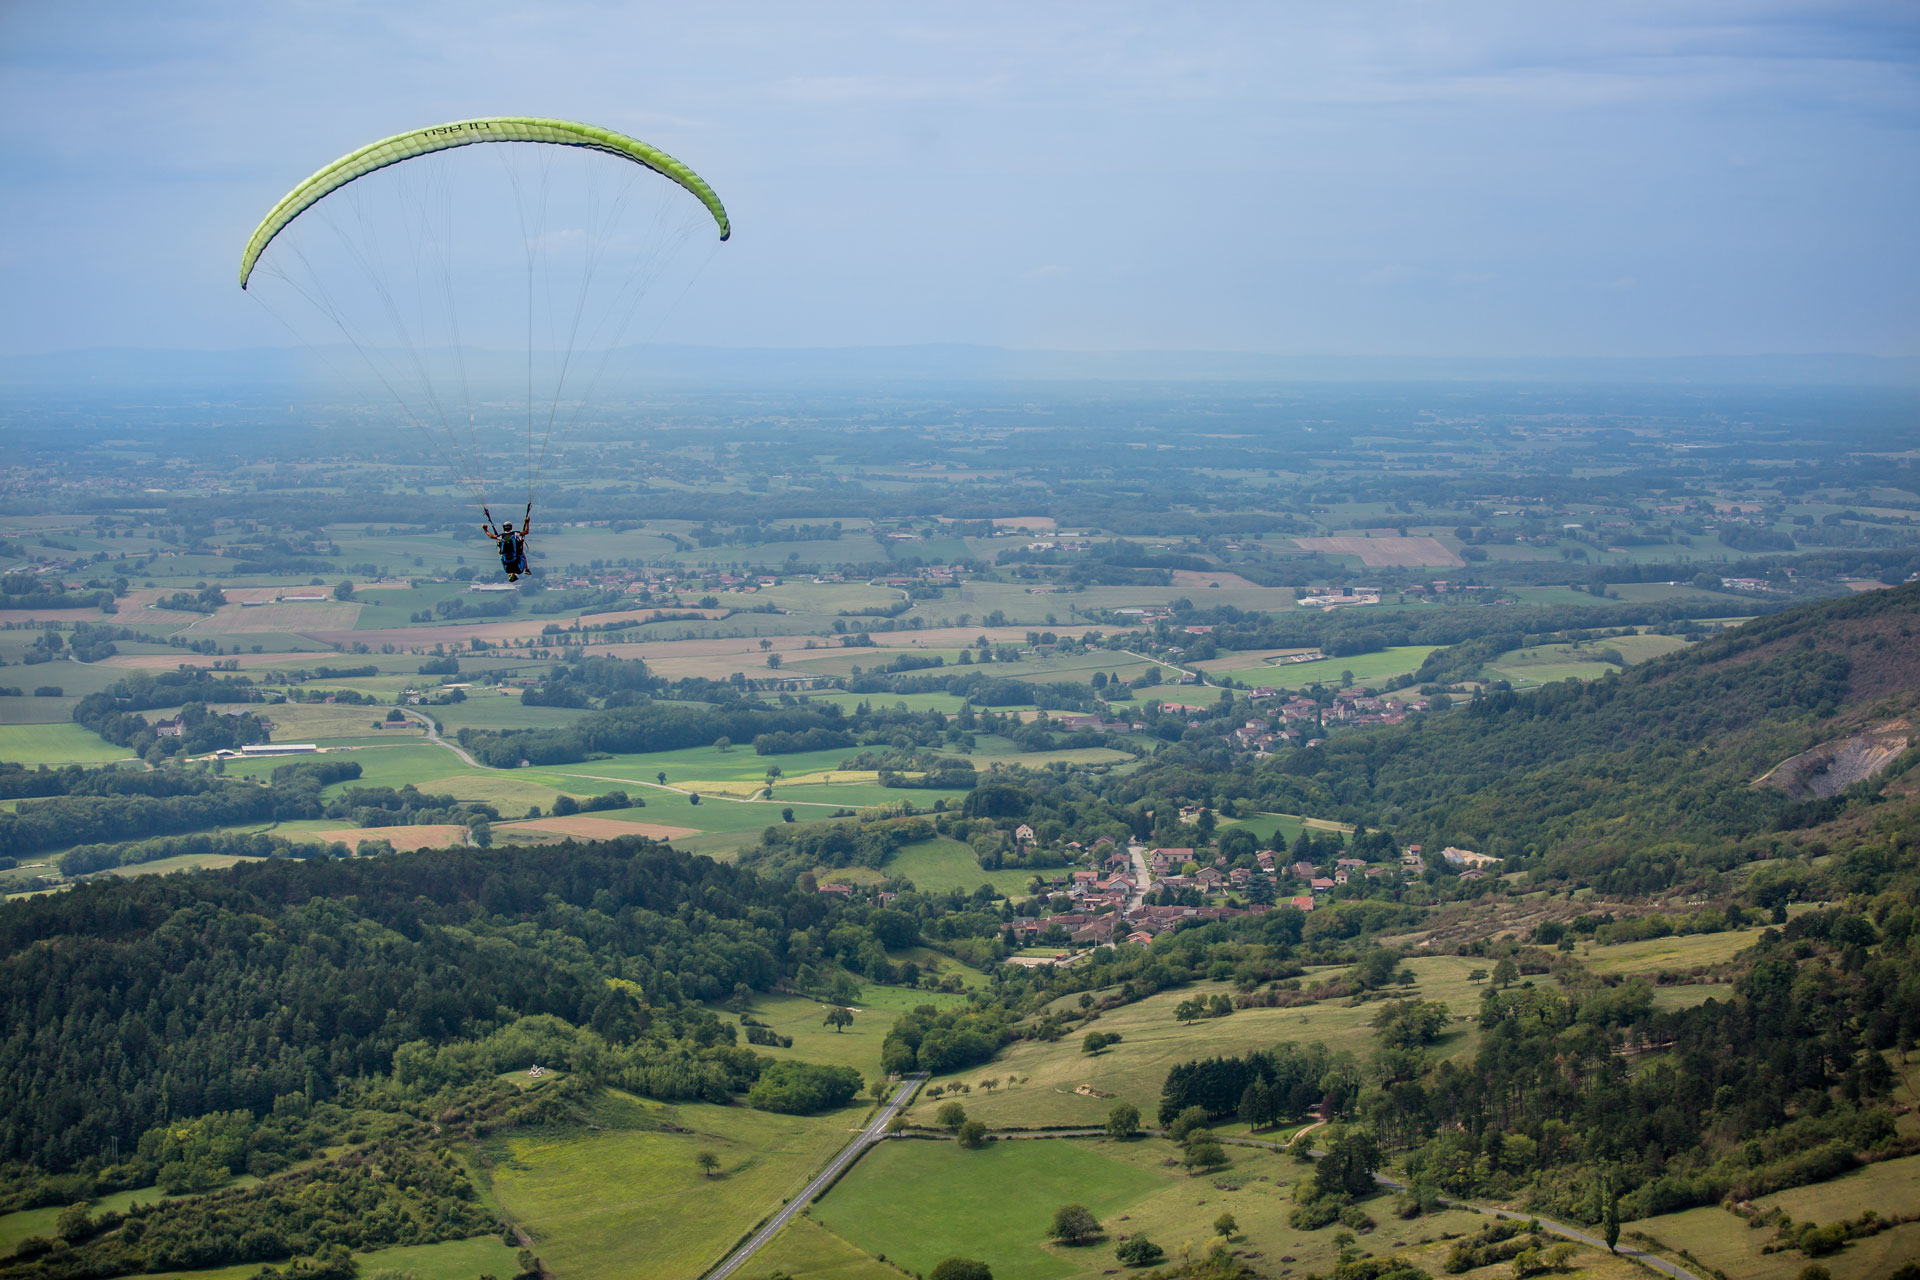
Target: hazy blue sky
<point>1393,178</point>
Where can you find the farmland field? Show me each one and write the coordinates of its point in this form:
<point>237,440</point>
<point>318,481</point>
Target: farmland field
<point>1721,1240</point>
<point>1365,667</point>
<point>1153,1041</point>
<point>1655,954</point>
<point>560,1185</point>
<point>920,1202</point>
<point>54,744</point>
<point>939,864</point>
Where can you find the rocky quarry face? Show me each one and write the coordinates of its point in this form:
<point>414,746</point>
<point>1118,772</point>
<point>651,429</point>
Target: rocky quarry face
<point>1832,767</point>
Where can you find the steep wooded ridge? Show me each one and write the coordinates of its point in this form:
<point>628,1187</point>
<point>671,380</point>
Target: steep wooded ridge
<point>1630,784</point>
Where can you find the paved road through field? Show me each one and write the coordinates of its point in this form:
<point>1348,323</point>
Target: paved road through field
<point>874,1132</point>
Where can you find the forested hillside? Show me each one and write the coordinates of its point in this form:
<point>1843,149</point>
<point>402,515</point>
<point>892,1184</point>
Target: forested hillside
<point>1632,783</point>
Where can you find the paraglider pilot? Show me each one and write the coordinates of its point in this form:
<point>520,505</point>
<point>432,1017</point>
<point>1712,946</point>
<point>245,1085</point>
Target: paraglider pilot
<point>513,543</point>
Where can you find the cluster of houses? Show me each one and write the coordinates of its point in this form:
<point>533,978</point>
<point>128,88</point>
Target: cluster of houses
<point>1107,901</point>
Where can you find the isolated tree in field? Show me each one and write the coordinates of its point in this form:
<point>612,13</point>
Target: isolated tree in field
<point>708,1162</point>
<point>1224,1225</point>
<point>773,661</point>
<point>990,1084</point>
<point>1188,1011</point>
<point>1075,1224</point>
<point>765,645</point>
<point>1095,1042</point>
<point>838,1019</point>
<point>1506,973</point>
<point>786,815</point>
<point>1205,1153</point>
<point>877,1090</point>
<point>1139,1252</point>
<point>661,777</point>
<point>1123,1122</point>
<point>961,1269</point>
<point>951,1115</point>
<point>972,1135</point>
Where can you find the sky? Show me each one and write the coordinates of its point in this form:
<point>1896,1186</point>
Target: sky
<point>1393,178</point>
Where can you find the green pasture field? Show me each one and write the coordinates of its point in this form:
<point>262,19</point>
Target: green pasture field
<point>691,765</point>
<point>493,711</point>
<point>858,1046</point>
<point>917,1203</point>
<point>806,1249</point>
<point>1273,828</point>
<point>54,743</point>
<point>1655,954</point>
<point>1725,1242</point>
<point>1692,994</point>
<point>928,959</point>
<point>940,864</point>
<point>626,1201</point>
<point>1366,667</point>
<point>1527,675</point>
<point>1152,1041</point>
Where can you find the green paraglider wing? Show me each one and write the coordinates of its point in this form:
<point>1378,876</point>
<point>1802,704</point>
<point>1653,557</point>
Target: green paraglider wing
<point>464,133</point>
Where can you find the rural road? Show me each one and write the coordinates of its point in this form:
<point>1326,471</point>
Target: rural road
<point>433,735</point>
<point>1142,878</point>
<point>875,1130</point>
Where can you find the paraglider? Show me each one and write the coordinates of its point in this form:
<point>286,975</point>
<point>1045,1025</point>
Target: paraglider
<point>513,543</point>
<point>485,299</point>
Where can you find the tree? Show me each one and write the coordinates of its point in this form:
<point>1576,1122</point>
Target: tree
<point>1188,1011</point>
<point>343,590</point>
<point>707,1161</point>
<point>990,1084</point>
<point>1506,973</point>
<point>1123,1122</point>
<point>1139,1252</point>
<point>961,1269</point>
<point>1184,1123</point>
<point>951,1115</point>
<point>1094,1042</point>
<point>786,815</point>
<point>1347,1168</point>
<point>661,777</point>
<point>1224,1225</point>
<point>1611,1215</point>
<point>1075,1224</point>
<point>723,743</point>
<point>972,1134</point>
<point>773,661</point>
<point>838,1018</point>
<point>1205,1152</point>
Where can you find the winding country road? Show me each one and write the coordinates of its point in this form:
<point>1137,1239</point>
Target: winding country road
<point>876,1130</point>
